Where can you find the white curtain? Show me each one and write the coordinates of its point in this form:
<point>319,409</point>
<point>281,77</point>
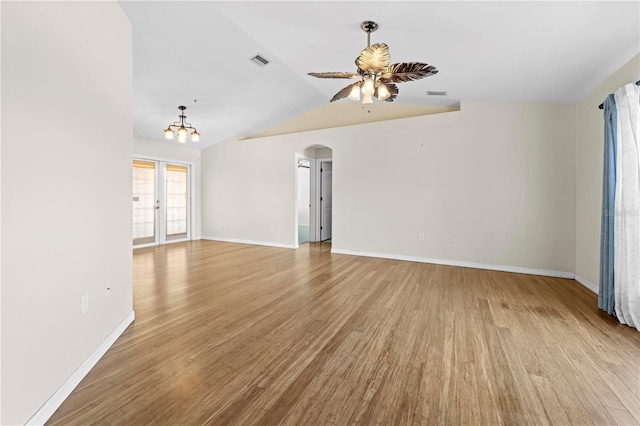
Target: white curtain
<point>627,207</point>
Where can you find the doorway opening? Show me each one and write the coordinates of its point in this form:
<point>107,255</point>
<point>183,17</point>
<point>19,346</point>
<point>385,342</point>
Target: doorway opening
<point>314,201</point>
<point>161,202</point>
<point>304,200</point>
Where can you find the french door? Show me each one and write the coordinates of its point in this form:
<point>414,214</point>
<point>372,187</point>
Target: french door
<point>161,202</point>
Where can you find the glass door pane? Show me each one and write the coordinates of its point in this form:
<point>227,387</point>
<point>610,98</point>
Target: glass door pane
<point>144,202</point>
<point>176,178</point>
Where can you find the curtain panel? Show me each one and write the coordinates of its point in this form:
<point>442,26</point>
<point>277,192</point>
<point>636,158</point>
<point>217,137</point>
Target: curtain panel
<point>619,292</point>
<point>627,208</point>
<point>606,294</point>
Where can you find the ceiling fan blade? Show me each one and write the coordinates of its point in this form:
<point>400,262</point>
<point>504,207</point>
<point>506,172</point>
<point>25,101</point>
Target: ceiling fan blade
<point>374,58</point>
<point>334,74</point>
<point>407,71</point>
<point>393,91</point>
<point>343,93</point>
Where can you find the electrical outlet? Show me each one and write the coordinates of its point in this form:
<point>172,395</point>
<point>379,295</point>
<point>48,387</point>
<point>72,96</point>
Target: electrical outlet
<point>421,237</point>
<point>107,288</point>
<point>85,303</point>
<point>448,239</point>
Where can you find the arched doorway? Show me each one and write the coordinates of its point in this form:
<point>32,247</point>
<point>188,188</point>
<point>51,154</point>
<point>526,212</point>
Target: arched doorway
<point>314,200</point>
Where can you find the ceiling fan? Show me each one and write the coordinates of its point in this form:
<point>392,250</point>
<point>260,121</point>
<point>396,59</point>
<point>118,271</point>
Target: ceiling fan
<point>377,76</point>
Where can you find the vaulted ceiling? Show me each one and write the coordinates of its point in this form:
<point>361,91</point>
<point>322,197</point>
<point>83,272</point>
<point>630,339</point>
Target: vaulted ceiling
<point>197,54</point>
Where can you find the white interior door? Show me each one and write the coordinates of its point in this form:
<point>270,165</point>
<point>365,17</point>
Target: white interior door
<point>145,202</point>
<point>161,202</point>
<point>325,200</point>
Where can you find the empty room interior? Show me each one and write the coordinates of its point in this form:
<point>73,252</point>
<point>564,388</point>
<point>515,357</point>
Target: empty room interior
<point>332,213</point>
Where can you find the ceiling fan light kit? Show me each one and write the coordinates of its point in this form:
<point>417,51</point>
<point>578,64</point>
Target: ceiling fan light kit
<point>183,129</point>
<point>377,77</point>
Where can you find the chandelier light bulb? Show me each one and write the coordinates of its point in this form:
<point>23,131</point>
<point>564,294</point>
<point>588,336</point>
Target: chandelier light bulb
<point>355,93</point>
<point>367,99</point>
<point>195,136</point>
<point>368,88</point>
<point>168,134</point>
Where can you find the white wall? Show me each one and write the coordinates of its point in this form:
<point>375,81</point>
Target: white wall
<point>498,178</point>
<point>248,192</point>
<point>589,154</point>
<point>0,214</point>
<point>323,153</point>
<point>165,151</point>
<point>66,191</point>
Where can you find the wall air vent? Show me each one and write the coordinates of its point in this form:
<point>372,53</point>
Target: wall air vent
<point>259,60</point>
<point>436,93</point>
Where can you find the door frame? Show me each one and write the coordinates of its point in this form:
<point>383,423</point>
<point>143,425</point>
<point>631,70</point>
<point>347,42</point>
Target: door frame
<point>160,186</point>
<point>312,196</point>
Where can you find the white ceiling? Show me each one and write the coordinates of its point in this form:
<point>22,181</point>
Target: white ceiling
<point>530,51</point>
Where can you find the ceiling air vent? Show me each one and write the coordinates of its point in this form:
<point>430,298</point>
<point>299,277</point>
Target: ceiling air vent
<point>436,93</point>
<point>259,60</point>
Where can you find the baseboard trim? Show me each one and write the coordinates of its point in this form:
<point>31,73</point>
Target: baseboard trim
<point>588,284</point>
<point>256,243</point>
<point>462,263</point>
<point>46,411</point>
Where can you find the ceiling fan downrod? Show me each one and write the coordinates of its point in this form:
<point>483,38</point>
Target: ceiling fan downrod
<point>368,27</point>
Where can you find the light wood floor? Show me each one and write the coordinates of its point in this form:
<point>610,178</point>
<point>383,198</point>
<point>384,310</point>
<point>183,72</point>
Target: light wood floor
<point>238,334</point>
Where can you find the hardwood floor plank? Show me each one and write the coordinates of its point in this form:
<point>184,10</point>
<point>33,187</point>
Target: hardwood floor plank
<point>233,334</point>
<point>553,410</point>
<point>622,417</point>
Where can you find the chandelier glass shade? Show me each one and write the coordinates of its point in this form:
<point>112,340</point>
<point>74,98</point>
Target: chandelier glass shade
<point>370,86</point>
<point>182,128</point>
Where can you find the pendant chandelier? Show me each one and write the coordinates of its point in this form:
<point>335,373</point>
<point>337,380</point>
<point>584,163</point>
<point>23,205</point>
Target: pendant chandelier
<point>183,129</point>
